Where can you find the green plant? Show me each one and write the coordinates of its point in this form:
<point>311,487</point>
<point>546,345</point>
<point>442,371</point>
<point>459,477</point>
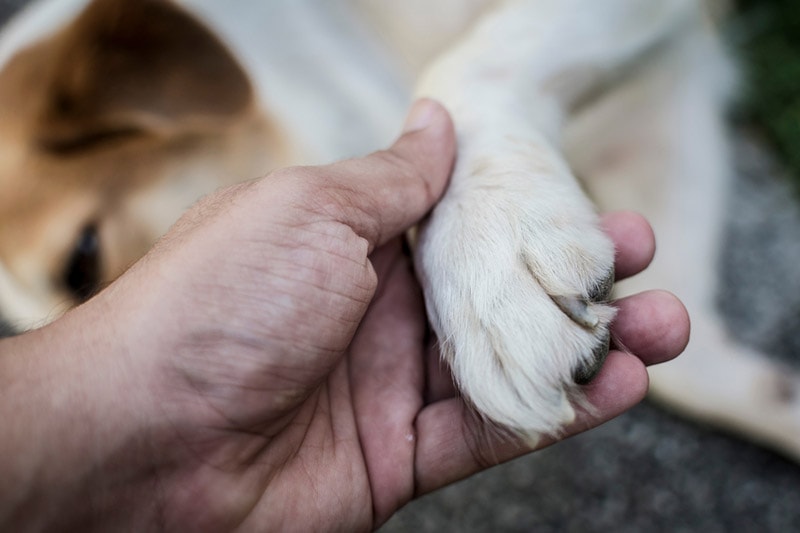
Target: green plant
<point>766,34</point>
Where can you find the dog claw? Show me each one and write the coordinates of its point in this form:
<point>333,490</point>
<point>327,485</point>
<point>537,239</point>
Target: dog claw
<point>587,371</point>
<point>577,309</point>
<point>602,292</point>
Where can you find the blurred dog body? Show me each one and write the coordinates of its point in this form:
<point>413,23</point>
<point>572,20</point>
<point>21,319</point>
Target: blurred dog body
<point>115,116</point>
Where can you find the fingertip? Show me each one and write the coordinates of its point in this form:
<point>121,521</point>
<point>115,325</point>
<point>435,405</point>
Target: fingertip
<point>682,321</point>
<point>428,139</point>
<point>424,113</point>
<point>634,240</point>
<point>621,384</point>
<point>654,325</point>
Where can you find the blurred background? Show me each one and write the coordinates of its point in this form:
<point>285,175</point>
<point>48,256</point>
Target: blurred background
<point>650,470</point>
<point>766,35</point>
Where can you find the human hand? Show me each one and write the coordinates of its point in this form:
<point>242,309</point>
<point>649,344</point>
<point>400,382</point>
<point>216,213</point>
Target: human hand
<point>266,366</point>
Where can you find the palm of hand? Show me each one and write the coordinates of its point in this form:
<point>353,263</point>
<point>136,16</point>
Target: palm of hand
<point>345,450</point>
<point>266,413</point>
<point>348,440</point>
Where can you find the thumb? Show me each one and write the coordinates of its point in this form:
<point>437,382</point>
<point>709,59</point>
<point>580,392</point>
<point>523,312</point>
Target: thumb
<point>389,191</point>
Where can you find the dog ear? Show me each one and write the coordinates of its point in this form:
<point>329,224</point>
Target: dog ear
<point>130,67</point>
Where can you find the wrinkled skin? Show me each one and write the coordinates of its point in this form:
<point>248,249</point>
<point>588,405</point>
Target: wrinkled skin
<point>266,366</point>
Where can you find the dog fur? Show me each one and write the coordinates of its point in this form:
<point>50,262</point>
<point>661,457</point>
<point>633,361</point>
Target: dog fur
<point>116,115</point>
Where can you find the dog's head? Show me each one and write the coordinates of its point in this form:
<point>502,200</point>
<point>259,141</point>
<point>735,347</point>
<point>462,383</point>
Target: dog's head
<point>110,127</point>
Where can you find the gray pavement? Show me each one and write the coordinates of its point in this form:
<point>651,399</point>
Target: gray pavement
<point>650,471</point>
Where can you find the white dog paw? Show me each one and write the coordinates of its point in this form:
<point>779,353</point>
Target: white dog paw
<point>517,277</point>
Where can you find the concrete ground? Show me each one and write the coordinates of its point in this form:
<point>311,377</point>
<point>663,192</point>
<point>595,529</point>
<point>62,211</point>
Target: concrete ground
<point>649,470</point>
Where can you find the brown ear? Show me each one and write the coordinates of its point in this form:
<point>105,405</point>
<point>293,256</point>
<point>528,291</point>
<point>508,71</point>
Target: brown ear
<point>137,66</point>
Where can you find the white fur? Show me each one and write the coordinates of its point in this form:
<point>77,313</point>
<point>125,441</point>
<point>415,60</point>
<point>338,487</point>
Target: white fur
<point>514,229</point>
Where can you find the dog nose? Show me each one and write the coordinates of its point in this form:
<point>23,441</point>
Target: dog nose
<point>5,329</point>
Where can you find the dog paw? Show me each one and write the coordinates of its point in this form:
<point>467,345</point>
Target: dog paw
<point>517,275</point>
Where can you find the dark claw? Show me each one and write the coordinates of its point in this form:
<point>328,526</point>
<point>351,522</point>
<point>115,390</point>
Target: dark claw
<point>6,330</point>
<point>587,371</point>
<point>602,292</point>
<point>577,309</point>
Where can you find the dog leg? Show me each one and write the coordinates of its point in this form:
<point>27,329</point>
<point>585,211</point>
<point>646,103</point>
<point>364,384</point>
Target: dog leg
<point>515,268</point>
<point>658,145</point>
